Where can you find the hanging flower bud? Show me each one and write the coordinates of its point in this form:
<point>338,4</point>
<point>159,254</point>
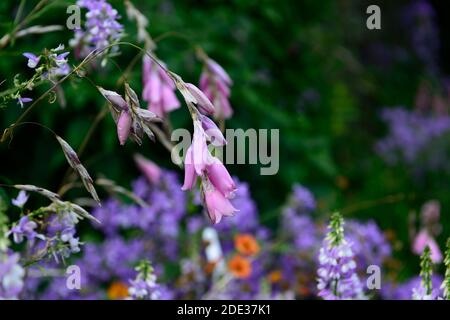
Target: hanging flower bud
<point>114,98</point>
<point>215,83</point>
<point>203,103</point>
<point>124,126</point>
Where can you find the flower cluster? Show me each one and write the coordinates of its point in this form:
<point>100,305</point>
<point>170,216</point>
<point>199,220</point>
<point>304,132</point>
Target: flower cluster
<point>215,83</point>
<point>159,89</point>
<point>48,66</point>
<point>337,277</point>
<point>420,21</point>
<point>217,185</point>
<point>131,120</point>
<point>101,28</point>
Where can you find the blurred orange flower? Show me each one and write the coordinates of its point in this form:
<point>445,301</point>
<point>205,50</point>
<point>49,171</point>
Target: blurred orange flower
<point>246,244</point>
<point>275,276</point>
<point>240,267</point>
<point>117,291</point>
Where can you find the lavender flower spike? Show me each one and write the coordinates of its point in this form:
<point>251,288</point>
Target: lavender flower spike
<point>337,277</point>
<point>425,290</point>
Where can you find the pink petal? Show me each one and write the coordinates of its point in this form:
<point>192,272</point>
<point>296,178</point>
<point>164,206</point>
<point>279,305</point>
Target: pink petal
<point>219,71</point>
<point>189,171</point>
<point>220,178</point>
<point>169,99</point>
<point>200,149</point>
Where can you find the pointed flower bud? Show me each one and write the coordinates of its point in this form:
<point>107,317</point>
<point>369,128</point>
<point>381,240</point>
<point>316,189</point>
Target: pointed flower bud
<point>114,98</point>
<point>203,103</point>
<point>124,126</point>
<point>213,132</point>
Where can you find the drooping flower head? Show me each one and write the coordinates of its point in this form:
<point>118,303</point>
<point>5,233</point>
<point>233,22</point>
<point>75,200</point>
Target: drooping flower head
<point>337,277</point>
<point>215,83</point>
<point>159,89</point>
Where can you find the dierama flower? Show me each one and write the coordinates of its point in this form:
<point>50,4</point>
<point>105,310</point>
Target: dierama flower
<point>21,199</point>
<point>130,118</point>
<point>220,178</point>
<point>215,83</point>
<point>124,126</point>
<point>25,228</point>
<point>212,131</point>
<point>33,60</point>
<point>150,169</point>
<point>203,103</point>
<point>216,203</point>
<point>114,99</point>
<point>159,89</point>
<point>190,177</point>
<point>200,153</point>
<point>424,239</point>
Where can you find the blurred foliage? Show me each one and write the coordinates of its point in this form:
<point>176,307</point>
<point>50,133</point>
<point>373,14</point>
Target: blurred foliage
<point>303,67</point>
